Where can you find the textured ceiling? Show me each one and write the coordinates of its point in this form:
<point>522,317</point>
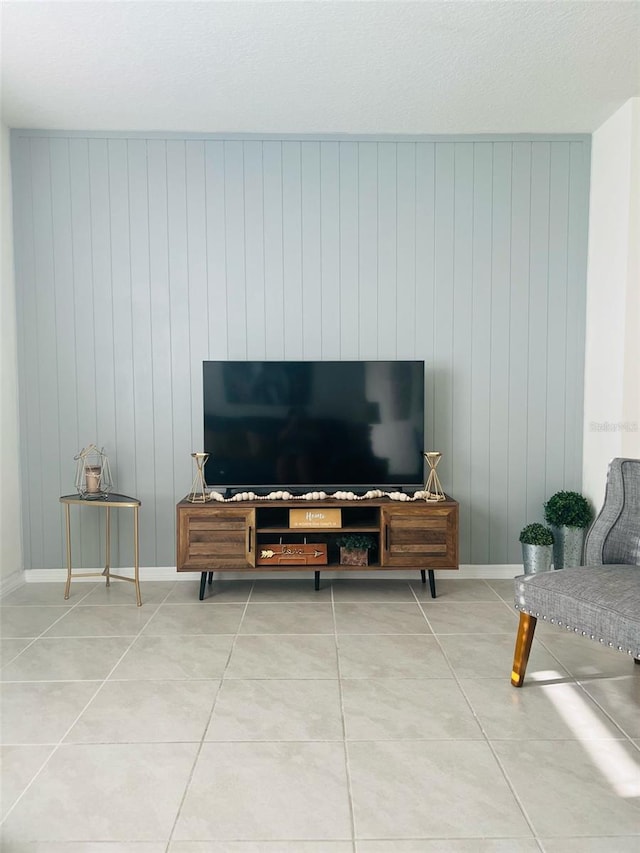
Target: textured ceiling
<point>319,67</point>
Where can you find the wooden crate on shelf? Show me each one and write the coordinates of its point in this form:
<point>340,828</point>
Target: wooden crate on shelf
<point>354,556</point>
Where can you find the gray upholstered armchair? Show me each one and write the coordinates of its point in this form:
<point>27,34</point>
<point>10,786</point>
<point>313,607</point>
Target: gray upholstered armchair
<point>600,600</point>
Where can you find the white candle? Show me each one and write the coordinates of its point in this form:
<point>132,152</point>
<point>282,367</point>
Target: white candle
<point>92,477</point>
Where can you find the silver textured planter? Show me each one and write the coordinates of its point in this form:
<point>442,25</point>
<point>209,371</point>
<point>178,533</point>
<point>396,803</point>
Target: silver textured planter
<point>536,558</point>
<point>568,546</point>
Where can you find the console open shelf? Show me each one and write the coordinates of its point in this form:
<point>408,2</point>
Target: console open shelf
<point>345,528</point>
<point>226,537</point>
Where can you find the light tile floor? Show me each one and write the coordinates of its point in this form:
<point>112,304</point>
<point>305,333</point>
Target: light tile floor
<point>365,718</point>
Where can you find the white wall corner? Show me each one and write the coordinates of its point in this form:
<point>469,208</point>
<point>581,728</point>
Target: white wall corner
<point>612,349</point>
<point>11,561</point>
<point>9,582</point>
<point>631,382</point>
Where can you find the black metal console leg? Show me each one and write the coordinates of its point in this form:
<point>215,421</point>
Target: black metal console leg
<point>210,577</point>
<point>423,575</point>
<point>432,583</point>
<point>203,582</point>
<point>317,574</point>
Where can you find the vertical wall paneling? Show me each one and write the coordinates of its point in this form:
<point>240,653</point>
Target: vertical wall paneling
<point>443,307</point>
<point>87,355</point>
<point>254,250</point>
<point>387,250</point>
<point>367,249</point>
<point>103,319</point>
<point>69,440</point>
<point>330,249</point>
<point>349,297</point>
<point>579,161</point>
<point>198,294</point>
<point>519,346</point>
<point>235,249</point>
<point>137,258</point>
<point>311,252</point>
<point>180,307</point>
<point>162,501</point>
<point>64,298</point>
<point>273,250</point>
<point>43,485</point>
<point>125,470</point>
<point>24,261</point>
<point>45,339</point>
<point>406,251</point>
<point>501,189</point>
<point>216,230</point>
<point>480,346</point>
<point>557,314</point>
<point>425,278</point>
<point>292,248</point>
<point>538,313</point>
<point>67,404</point>
<point>462,335</point>
<point>144,432</point>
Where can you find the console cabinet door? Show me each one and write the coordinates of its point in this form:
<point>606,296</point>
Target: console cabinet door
<point>211,537</point>
<point>422,536</point>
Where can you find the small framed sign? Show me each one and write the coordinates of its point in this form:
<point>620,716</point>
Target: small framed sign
<point>315,517</point>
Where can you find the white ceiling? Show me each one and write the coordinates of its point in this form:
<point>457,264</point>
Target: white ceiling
<point>329,67</point>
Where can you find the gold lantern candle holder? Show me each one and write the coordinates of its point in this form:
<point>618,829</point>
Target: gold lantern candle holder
<point>93,475</point>
<point>198,493</point>
<point>433,486</point>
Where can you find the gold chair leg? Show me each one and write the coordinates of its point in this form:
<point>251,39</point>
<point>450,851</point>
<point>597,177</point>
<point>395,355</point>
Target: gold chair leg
<point>526,630</point>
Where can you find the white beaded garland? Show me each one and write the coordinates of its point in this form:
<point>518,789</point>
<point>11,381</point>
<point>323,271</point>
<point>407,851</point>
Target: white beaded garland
<point>340,495</point>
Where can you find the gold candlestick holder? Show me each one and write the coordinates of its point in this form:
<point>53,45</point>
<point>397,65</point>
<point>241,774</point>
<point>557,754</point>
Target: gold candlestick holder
<point>433,486</point>
<point>198,493</point>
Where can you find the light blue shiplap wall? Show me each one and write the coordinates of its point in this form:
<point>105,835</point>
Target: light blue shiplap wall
<point>138,257</point>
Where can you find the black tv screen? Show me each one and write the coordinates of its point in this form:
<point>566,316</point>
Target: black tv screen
<point>314,424</point>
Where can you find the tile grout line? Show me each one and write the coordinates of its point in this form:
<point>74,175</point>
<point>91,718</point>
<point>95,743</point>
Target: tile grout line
<point>424,608</point>
<point>40,636</point>
<point>577,680</point>
<point>584,689</point>
<point>98,689</point>
<point>352,816</point>
<point>484,733</point>
<point>206,726</point>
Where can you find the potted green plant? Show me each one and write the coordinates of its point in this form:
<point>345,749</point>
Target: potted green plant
<point>354,549</point>
<point>537,548</point>
<point>569,514</point>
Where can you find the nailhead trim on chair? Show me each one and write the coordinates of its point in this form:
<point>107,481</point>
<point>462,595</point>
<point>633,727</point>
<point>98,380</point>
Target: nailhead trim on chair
<point>576,630</point>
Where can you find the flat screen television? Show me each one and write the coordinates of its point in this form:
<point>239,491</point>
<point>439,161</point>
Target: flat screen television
<point>301,425</point>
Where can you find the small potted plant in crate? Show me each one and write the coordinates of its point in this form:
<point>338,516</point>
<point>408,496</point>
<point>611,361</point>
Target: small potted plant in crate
<point>569,515</point>
<point>537,548</point>
<point>354,549</point>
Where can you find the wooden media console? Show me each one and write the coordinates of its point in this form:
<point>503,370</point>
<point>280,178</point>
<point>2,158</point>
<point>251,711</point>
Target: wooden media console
<point>228,537</point>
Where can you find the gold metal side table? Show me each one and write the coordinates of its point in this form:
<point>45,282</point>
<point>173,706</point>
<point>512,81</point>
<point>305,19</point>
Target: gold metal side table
<point>108,502</point>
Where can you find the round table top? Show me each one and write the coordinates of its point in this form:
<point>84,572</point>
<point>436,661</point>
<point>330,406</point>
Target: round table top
<point>111,499</point>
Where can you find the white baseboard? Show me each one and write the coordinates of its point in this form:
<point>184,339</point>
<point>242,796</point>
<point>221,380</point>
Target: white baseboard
<point>169,573</point>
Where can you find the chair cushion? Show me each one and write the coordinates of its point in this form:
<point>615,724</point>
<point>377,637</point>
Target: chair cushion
<point>601,602</point>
